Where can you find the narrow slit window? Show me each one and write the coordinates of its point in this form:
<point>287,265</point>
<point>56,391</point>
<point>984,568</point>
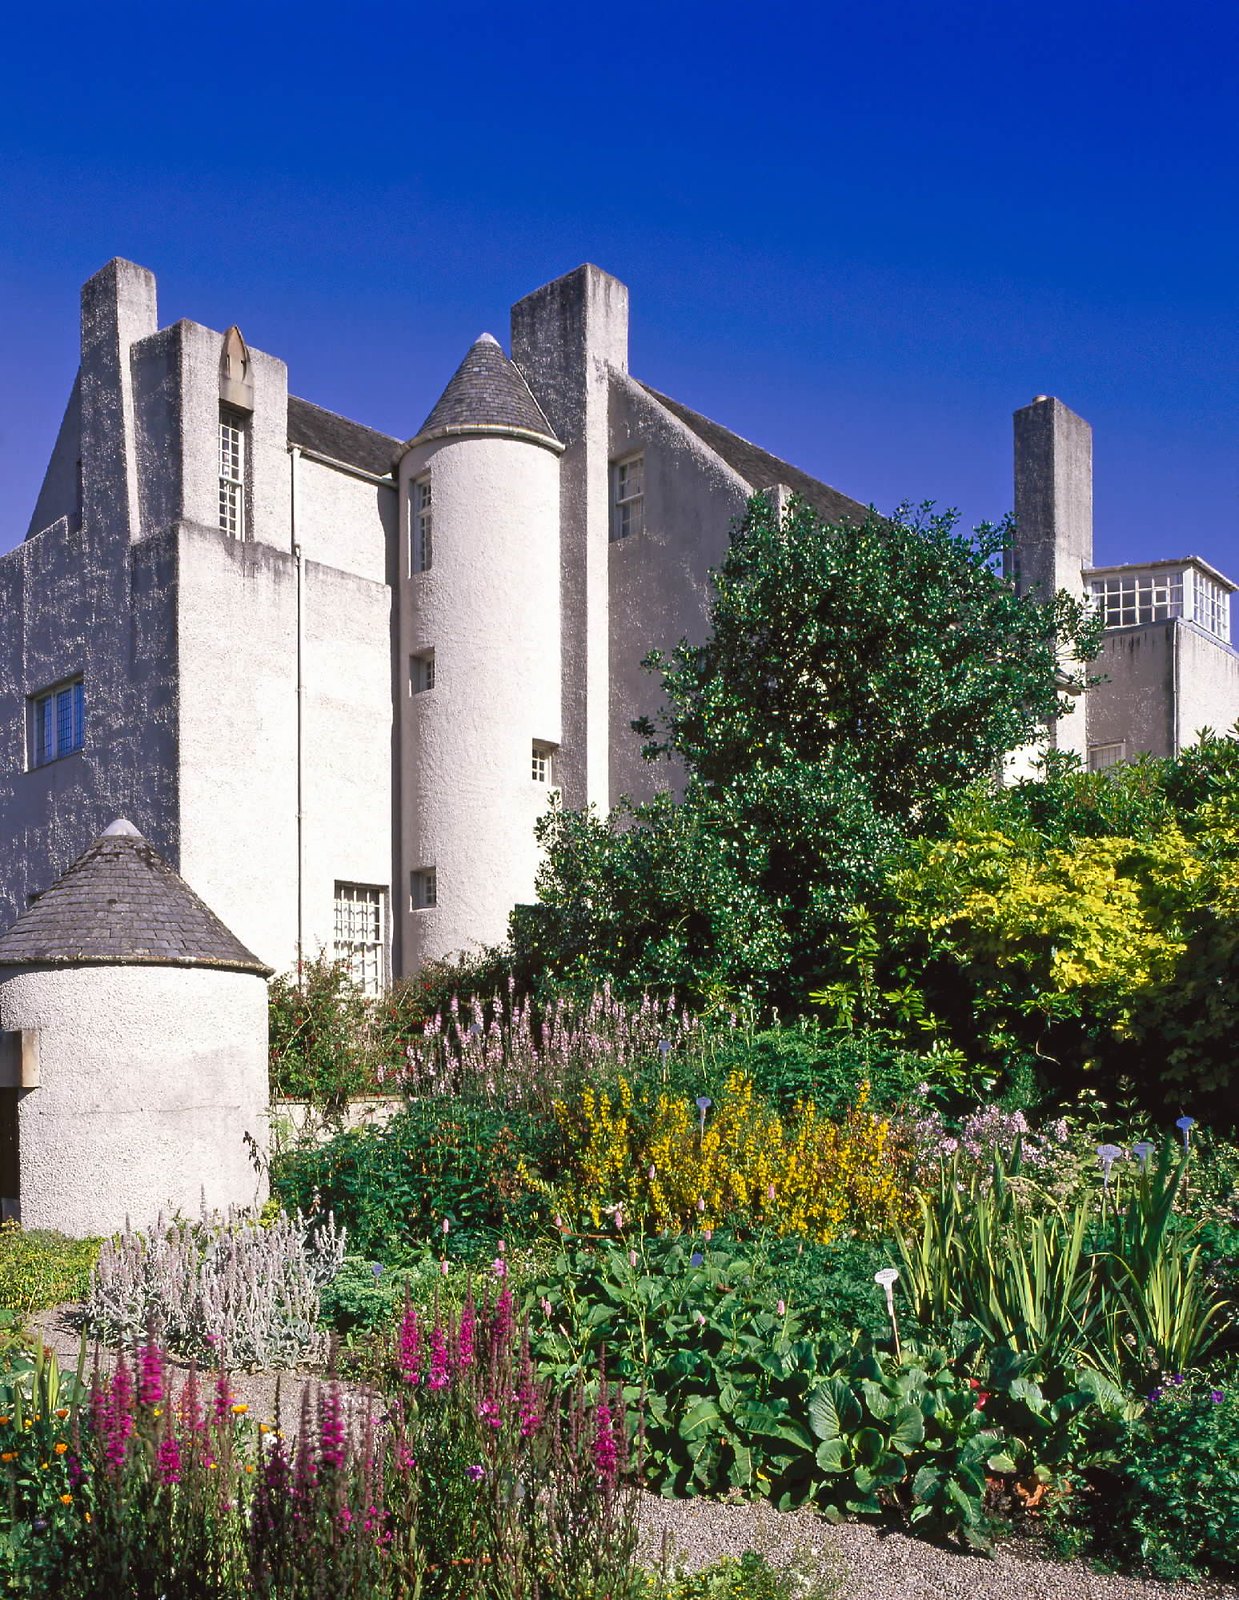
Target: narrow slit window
<point>232,474</point>
<point>424,889</point>
<point>421,531</point>
<point>422,672</point>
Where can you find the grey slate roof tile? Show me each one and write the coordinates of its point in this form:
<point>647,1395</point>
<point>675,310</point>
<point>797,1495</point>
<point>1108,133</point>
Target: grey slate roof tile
<point>335,436</point>
<point>120,903</point>
<point>759,468</point>
<point>487,391</point>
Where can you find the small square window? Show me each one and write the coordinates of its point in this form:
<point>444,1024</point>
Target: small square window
<point>1101,757</point>
<point>628,496</point>
<point>360,940</point>
<point>422,672</point>
<point>421,526</point>
<point>57,722</point>
<point>542,765</point>
<point>423,889</point>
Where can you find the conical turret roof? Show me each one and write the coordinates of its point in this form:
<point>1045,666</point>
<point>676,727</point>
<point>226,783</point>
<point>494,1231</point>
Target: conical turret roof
<point>120,903</point>
<point>488,394</point>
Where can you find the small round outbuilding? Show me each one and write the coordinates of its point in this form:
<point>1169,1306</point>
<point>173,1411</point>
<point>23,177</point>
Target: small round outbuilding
<point>133,1049</point>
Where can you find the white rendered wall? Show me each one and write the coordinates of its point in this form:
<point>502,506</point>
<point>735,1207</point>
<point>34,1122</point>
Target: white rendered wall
<point>150,1078</point>
<point>237,642</point>
<point>344,521</point>
<point>490,610</point>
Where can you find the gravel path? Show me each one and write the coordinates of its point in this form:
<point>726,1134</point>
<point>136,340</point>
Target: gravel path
<point>856,1561</point>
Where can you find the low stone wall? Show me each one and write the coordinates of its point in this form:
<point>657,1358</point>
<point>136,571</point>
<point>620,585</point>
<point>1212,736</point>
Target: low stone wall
<point>295,1120</point>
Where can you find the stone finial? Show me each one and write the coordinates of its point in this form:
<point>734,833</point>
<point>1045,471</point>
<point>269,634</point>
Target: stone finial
<point>236,382</point>
<point>121,826</point>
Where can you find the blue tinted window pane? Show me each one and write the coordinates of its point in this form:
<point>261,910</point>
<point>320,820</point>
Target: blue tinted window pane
<point>64,721</point>
<point>79,716</point>
<point>45,731</point>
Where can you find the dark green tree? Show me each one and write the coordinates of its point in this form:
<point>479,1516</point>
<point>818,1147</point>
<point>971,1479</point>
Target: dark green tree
<point>853,675</point>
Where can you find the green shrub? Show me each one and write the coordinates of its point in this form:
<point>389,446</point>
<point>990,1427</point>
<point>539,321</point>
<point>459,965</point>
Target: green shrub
<point>40,1268</point>
<point>807,1062</point>
<point>473,1164</point>
<point>748,1577</point>
<point>1179,1487</point>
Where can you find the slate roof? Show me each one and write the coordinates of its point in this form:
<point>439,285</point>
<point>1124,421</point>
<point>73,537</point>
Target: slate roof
<point>120,903</point>
<point>487,391</point>
<point>335,436</point>
<point>759,468</point>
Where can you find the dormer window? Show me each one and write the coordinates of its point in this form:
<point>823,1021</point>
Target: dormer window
<point>628,497</point>
<point>232,432</point>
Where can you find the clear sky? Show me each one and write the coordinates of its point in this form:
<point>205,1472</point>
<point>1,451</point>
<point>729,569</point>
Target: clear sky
<point>858,234</point>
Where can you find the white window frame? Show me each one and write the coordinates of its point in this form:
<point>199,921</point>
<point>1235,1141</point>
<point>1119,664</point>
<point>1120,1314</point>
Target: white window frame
<point>423,889</point>
<point>628,497</point>
<point>232,452</point>
<point>361,933</point>
<point>57,722</point>
<point>421,525</point>
<point>1101,757</point>
<point>422,672</point>
<point>542,763</point>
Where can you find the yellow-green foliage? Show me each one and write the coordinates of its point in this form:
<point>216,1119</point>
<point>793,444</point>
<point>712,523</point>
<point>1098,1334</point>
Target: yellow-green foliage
<point>1101,921</point>
<point>40,1269</point>
<point>657,1161</point>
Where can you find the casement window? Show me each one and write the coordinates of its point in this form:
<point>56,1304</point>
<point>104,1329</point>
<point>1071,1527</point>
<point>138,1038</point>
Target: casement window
<point>1135,597</point>
<point>1101,757</point>
<point>361,935</point>
<point>57,722</point>
<point>232,431</point>
<point>423,889</point>
<point>628,497</point>
<point>422,672</point>
<point>421,526</point>
<point>542,762</point>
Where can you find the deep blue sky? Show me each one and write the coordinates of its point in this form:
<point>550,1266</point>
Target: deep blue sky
<point>860,235</point>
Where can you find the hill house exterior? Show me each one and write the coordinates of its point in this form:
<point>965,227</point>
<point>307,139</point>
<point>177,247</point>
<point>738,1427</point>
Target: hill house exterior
<point>334,677</point>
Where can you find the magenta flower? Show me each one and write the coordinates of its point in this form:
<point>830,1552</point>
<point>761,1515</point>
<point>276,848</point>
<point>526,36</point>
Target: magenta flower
<point>331,1434</point>
<point>150,1374</point>
<point>221,1407</point>
<point>606,1448</point>
<point>409,1353</point>
<point>168,1460</point>
<point>501,1324</point>
<point>465,1336</point>
<point>1217,1396</point>
<point>475,1472</point>
<point>440,1371</point>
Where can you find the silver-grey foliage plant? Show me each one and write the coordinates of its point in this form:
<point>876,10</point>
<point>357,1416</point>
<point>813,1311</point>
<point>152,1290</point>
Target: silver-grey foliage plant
<point>230,1289</point>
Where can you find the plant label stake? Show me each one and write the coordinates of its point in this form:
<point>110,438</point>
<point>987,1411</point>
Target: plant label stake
<point>886,1278</point>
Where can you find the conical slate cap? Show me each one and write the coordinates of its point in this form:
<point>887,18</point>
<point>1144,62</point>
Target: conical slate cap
<point>121,904</point>
<point>488,394</point>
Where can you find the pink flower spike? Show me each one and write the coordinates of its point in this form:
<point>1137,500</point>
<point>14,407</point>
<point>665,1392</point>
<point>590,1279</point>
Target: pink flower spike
<point>443,1267</point>
<point>632,1258</point>
<point>781,1308</point>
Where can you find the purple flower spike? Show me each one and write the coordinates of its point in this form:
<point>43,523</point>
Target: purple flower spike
<point>704,1103</point>
<point>476,1472</point>
<point>1177,1379</point>
<point>1154,1396</point>
<point>1217,1396</point>
<point>696,1259</point>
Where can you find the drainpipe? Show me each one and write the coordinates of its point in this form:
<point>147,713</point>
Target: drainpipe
<point>1176,631</point>
<point>294,455</point>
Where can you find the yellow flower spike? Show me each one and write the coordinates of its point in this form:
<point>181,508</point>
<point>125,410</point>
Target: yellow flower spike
<point>60,1448</point>
<point>239,1409</point>
<point>66,1499</point>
